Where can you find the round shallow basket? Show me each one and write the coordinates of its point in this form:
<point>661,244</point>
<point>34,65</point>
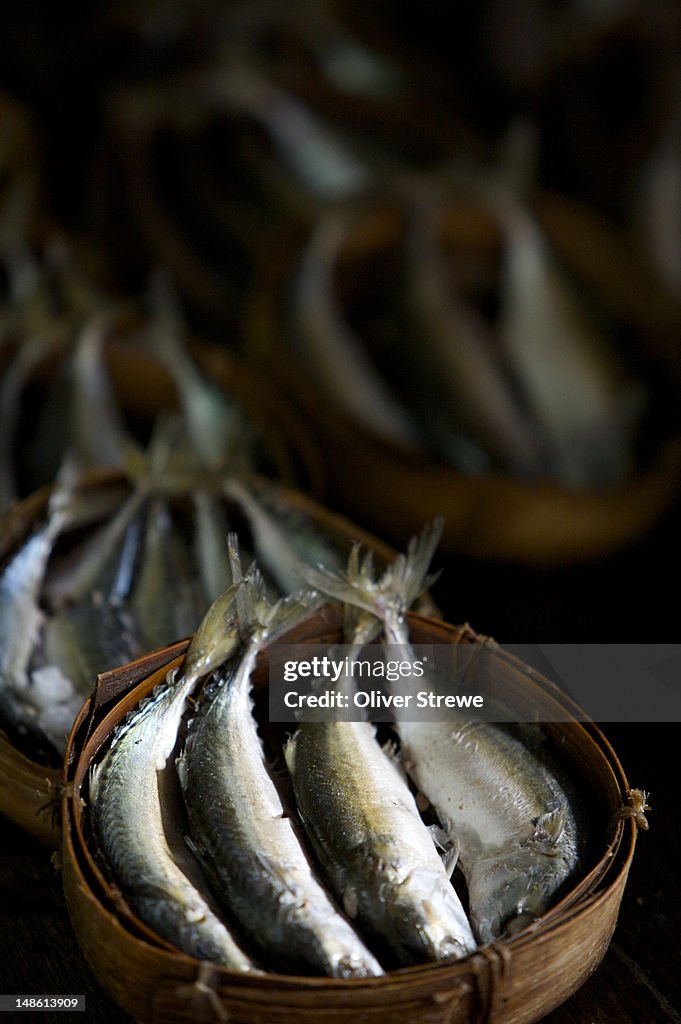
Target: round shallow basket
<point>495,516</point>
<point>513,981</point>
<point>29,791</point>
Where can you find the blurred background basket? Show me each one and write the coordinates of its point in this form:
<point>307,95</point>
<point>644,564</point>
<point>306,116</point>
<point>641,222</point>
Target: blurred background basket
<point>496,517</point>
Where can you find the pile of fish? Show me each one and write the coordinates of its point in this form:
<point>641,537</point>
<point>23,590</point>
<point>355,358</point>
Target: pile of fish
<point>224,130</point>
<point>57,396</point>
<point>512,372</point>
<point>130,563</point>
<point>204,161</point>
<point>113,571</point>
<point>263,136</point>
<point>331,871</point>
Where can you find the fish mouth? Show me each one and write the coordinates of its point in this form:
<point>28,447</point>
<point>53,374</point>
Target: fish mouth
<point>518,922</point>
<point>350,967</point>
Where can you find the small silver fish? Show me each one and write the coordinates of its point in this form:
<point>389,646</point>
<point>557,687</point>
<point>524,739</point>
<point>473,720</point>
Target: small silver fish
<point>581,399</point>
<point>515,826</point>
<point>456,355</point>
<point>376,851</point>
<point>246,841</point>
<point>87,639</point>
<point>167,599</point>
<point>133,794</point>
<point>162,469</point>
<point>21,621</point>
<point>80,640</point>
<point>513,821</point>
<point>283,541</point>
<point>21,618</point>
<point>82,577</point>
<point>98,434</point>
<point>330,349</point>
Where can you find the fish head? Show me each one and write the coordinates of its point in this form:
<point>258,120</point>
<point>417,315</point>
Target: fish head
<point>509,892</point>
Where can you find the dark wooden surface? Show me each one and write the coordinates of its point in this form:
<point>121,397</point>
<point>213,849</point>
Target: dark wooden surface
<point>639,981</point>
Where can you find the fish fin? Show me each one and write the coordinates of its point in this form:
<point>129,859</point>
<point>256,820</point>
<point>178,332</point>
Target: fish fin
<point>405,579</point>
<point>448,845</point>
<point>451,858</point>
<point>290,754</point>
<point>181,767</point>
<point>408,575</point>
<point>63,497</point>
<point>250,597</point>
<point>256,613</point>
<point>350,903</point>
<point>337,586</point>
<point>216,637</point>
<point>391,751</point>
<point>290,610</point>
<point>234,556</point>
<point>93,781</point>
<point>194,850</point>
<point>549,827</point>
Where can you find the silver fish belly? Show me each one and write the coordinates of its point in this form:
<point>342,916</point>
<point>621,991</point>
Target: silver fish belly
<point>514,823</point>
<point>259,869</point>
<point>375,849</point>
<point>131,793</point>
<point>167,599</point>
<point>21,618</point>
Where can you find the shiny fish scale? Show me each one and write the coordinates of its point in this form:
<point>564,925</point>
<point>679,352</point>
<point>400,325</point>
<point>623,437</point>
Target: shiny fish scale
<point>375,849</point>
<point>516,828</point>
<point>131,792</point>
<point>20,584</point>
<point>167,599</point>
<point>245,839</point>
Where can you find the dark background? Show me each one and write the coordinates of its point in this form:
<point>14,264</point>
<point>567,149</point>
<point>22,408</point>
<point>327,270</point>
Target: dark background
<point>600,89</point>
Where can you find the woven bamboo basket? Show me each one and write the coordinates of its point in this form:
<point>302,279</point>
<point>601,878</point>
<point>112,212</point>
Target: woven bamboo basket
<point>513,981</point>
<point>29,791</point>
<point>496,517</point>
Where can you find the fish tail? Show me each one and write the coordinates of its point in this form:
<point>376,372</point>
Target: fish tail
<point>339,586</point>
<point>165,336</point>
<point>256,614</point>
<point>214,423</point>
<point>353,586</point>
<point>290,611</point>
<point>216,638</point>
<point>408,577</point>
<point>290,754</point>
<point>402,583</point>
<point>220,613</point>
